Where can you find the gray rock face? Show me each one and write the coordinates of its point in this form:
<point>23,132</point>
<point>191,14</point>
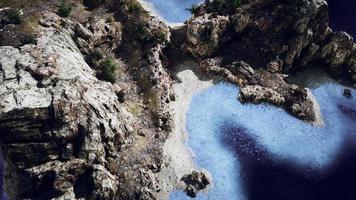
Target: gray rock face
<point>259,85</point>
<point>271,38</point>
<point>262,32</point>
<point>95,33</point>
<point>105,183</point>
<point>205,33</point>
<point>196,182</point>
<point>257,94</point>
<point>339,54</point>
<point>57,119</point>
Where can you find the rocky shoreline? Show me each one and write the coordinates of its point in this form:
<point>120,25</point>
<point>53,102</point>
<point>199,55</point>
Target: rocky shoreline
<point>253,51</point>
<point>179,157</point>
<point>90,108</point>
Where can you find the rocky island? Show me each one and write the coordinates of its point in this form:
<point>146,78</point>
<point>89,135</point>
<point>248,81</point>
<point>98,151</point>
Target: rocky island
<point>97,96</point>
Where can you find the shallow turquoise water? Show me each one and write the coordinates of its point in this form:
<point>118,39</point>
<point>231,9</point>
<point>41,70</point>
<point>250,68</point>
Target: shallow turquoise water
<point>275,136</point>
<point>174,11</point>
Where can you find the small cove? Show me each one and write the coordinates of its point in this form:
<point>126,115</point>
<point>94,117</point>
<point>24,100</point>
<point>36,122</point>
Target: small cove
<point>257,151</point>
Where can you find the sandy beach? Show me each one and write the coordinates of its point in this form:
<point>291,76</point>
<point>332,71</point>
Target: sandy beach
<point>319,121</point>
<point>177,154</point>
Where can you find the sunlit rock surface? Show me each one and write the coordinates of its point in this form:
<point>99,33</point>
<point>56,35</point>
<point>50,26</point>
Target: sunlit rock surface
<point>232,140</point>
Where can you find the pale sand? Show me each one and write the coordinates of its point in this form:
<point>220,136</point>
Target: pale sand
<point>178,156</point>
<point>318,116</point>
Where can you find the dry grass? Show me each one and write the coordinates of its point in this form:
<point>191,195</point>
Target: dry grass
<point>30,24</point>
<point>135,109</point>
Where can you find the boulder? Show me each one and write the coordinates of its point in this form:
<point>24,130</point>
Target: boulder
<point>56,117</point>
<point>204,34</point>
<point>195,182</point>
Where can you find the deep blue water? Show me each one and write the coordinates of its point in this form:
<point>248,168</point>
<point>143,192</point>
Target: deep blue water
<point>174,11</point>
<point>343,15</point>
<point>261,152</point>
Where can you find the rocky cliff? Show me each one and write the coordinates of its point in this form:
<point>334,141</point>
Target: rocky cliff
<point>273,38</point>
<point>68,135</point>
<point>83,100</point>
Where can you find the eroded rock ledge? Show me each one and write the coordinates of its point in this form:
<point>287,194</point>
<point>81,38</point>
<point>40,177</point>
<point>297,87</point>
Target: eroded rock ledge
<point>256,43</point>
<point>73,136</point>
<point>68,135</point>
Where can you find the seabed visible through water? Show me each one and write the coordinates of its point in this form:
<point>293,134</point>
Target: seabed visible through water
<point>260,152</point>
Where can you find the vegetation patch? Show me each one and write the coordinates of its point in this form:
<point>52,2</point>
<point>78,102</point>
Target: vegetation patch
<point>14,15</point>
<point>150,36</point>
<point>107,70</point>
<point>3,3</point>
<point>93,58</point>
<point>30,24</point>
<point>225,6</point>
<point>29,39</point>
<point>135,7</point>
<point>193,9</point>
<point>93,3</point>
<point>135,109</point>
<point>64,9</point>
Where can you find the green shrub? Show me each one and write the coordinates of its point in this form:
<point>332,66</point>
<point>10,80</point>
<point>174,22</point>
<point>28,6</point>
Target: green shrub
<point>14,15</point>
<point>107,70</point>
<point>29,39</point>
<point>216,5</point>
<point>150,36</point>
<point>135,7</point>
<point>228,6</point>
<point>64,9</point>
<point>159,37</point>
<point>193,9</point>
<point>234,3</point>
<point>93,3</point>
<point>93,58</point>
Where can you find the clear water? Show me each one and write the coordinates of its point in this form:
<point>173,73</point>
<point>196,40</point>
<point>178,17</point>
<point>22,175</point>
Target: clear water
<point>173,11</point>
<point>261,152</point>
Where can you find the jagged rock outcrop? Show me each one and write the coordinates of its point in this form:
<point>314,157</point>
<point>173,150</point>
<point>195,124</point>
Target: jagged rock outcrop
<point>294,33</point>
<point>150,36</point>
<point>260,85</point>
<point>196,182</point>
<point>62,128</point>
<point>205,33</point>
<point>75,136</point>
<point>255,43</point>
<point>95,33</point>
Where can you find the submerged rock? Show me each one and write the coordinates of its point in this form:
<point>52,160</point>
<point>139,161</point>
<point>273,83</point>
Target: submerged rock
<point>257,94</point>
<point>347,93</point>
<point>195,182</point>
<point>259,85</point>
